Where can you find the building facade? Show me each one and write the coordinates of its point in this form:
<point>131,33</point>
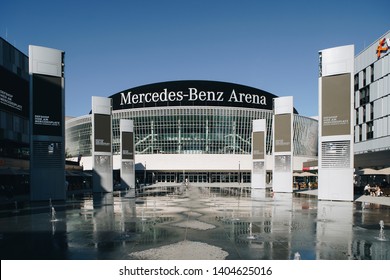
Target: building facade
<point>372,105</point>
<point>14,108</point>
<point>195,130</point>
<point>14,120</point>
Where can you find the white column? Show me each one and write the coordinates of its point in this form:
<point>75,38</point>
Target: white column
<point>335,159</point>
<point>282,179</point>
<point>258,154</point>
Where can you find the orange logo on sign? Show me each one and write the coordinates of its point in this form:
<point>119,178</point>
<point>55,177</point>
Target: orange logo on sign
<point>381,47</point>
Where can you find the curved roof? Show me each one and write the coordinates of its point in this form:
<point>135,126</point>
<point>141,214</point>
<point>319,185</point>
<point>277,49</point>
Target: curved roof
<point>193,93</point>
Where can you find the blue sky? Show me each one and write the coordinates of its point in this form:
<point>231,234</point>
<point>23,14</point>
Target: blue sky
<point>114,45</point>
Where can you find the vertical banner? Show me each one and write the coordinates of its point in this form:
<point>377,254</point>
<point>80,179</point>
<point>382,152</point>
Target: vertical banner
<point>283,145</point>
<point>335,161</point>
<point>102,178</point>
<point>47,124</point>
<point>283,135</point>
<point>127,154</point>
<point>336,116</point>
<point>258,154</point>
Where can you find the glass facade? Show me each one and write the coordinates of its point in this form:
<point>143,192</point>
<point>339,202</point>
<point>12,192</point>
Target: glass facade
<point>191,130</point>
<point>78,133</point>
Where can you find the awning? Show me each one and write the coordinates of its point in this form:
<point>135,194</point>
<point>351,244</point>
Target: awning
<point>309,174</point>
<point>385,171</point>
<point>369,171</point>
<point>304,174</point>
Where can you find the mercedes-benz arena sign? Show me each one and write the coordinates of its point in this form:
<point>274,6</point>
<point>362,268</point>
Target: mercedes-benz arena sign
<point>192,93</point>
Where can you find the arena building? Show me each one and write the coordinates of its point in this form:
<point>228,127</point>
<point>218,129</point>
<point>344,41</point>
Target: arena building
<point>194,129</point>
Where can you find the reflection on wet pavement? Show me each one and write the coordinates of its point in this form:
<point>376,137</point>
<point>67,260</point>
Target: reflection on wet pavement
<point>198,223</point>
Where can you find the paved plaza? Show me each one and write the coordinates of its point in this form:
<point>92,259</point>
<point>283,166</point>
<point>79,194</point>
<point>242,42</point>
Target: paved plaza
<point>198,222</point>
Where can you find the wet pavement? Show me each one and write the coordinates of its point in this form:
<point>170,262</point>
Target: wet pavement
<point>199,223</point>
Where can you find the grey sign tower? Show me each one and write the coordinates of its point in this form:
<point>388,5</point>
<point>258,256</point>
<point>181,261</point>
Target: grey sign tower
<point>283,145</point>
<point>259,154</point>
<point>102,144</point>
<point>127,154</point>
<point>47,119</point>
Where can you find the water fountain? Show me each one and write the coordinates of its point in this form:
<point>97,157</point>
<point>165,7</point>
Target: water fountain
<point>250,236</point>
<point>214,199</point>
<point>323,214</point>
<point>143,214</point>
<point>53,215</point>
<point>234,216</point>
<point>53,228</point>
<point>381,231</point>
<point>16,208</point>
<point>297,256</point>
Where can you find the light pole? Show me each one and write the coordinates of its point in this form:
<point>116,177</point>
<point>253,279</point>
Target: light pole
<point>239,172</point>
<point>239,177</point>
<point>145,174</point>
